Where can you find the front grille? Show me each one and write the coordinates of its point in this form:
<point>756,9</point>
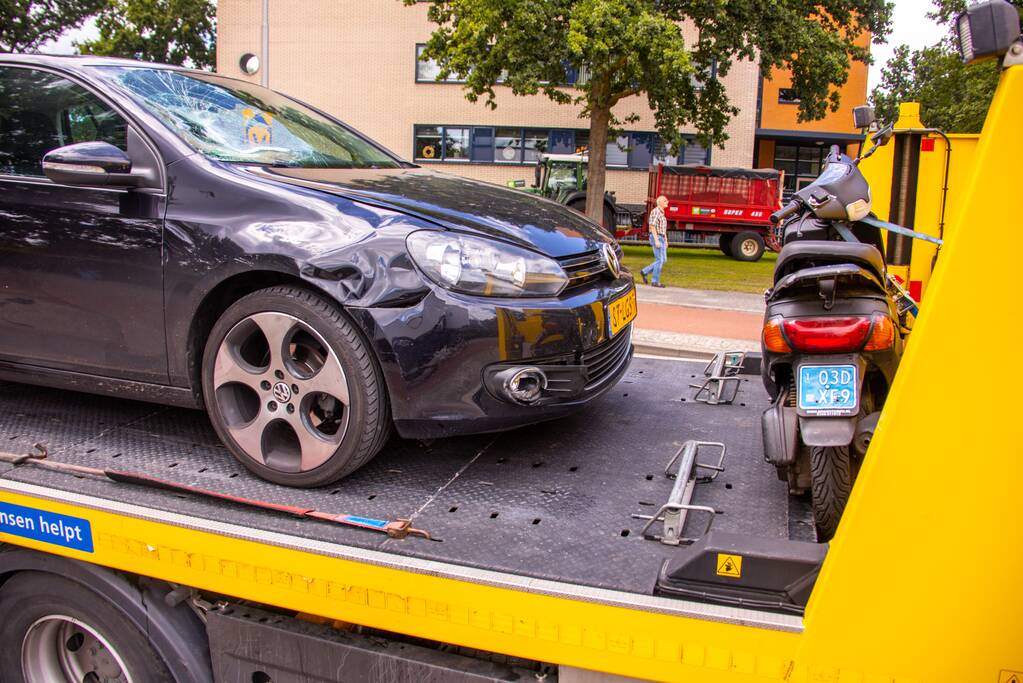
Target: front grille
<point>585,268</point>
<point>565,373</point>
<point>603,360</point>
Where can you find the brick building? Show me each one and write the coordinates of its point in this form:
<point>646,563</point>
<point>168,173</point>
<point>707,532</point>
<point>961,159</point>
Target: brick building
<point>796,147</point>
<point>359,61</point>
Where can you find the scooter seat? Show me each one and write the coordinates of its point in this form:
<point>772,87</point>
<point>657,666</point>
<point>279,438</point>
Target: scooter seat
<point>809,253</point>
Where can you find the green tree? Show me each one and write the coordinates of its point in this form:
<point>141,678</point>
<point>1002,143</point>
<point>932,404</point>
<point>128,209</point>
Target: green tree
<point>953,97</point>
<point>636,47</point>
<point>27,24</point>
<point>169,31</point>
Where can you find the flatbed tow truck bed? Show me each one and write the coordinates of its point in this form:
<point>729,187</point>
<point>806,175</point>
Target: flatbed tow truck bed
<point>553,501</point>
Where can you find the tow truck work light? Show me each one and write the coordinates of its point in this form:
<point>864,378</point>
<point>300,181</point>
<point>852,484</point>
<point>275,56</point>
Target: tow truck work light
<point>987,30</point>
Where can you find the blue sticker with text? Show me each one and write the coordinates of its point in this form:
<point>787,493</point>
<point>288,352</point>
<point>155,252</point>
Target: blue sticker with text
<point>49,527</point>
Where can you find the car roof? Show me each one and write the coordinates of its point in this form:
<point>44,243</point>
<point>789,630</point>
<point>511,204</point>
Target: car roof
<point>80,61</point>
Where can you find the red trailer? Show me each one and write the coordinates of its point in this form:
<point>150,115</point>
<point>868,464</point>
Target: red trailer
<point>735,203</point>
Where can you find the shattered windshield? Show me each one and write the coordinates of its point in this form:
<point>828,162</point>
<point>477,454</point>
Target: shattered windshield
<point>238,122</point>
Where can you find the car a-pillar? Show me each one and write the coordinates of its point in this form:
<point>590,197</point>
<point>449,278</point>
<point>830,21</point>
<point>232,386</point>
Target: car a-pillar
<point>65,620</point>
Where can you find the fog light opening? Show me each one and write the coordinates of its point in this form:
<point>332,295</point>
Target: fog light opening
<point>526,385</point>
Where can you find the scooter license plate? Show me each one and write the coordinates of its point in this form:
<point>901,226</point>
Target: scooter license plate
<point>828,389</point>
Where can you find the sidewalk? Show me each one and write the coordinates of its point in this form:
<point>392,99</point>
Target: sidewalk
<point>696,323</point>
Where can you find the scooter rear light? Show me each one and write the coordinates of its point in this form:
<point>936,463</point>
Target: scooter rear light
<point>882,336</point>
<point>773,338</point>
<point>827,335</point>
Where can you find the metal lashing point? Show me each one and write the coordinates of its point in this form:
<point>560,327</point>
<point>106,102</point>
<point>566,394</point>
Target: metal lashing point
<point>674,512</point>
<point>723,369</point>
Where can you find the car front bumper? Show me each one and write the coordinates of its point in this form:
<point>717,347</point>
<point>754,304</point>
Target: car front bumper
<point>436,356</point>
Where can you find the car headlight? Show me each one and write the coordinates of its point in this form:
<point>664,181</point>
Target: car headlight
<point>480,266</point>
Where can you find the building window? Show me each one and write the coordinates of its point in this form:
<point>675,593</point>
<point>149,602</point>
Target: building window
<point>534,143</point>
<point>688,153</point>
<point>429,143</point>
<point>801,164</point>
<point>427,70</point>
<point>456,144</point>
<point>507,145</point>
<point>787,96</point>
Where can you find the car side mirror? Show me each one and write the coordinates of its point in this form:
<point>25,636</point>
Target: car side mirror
<point>863,116</point>
<point>90,164</point>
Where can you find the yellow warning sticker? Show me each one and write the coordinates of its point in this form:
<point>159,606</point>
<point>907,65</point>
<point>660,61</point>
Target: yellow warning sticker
<point>1006,676</point>
<point>731,565</point>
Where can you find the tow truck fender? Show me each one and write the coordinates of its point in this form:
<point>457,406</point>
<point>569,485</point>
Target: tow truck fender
<point>176,633</point>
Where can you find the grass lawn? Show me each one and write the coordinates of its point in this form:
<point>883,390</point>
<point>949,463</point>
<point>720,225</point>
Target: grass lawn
<point>704,269</point>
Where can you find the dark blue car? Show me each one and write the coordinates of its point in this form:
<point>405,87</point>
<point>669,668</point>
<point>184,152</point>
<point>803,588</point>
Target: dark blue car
<point>185,238</point>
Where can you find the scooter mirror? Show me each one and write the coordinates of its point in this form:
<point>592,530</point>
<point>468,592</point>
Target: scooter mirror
<point>883,136</point>
<point>863,116</point>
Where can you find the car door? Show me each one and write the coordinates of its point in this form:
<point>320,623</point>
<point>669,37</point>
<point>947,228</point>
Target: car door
<point>80,267</point>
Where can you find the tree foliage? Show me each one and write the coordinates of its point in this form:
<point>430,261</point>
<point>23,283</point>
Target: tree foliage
<point>169,31</point>
<point>953,97</point>
<point>636,47</point>
<point>27,24</point>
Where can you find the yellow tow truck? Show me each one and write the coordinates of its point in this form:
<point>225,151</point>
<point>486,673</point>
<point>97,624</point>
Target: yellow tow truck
<point>543,563</point>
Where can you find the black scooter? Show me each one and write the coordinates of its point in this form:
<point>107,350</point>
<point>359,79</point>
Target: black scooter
<point>833,336</point>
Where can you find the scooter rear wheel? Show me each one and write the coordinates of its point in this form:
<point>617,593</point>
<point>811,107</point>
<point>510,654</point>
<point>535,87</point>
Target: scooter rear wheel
<point>832,475</point>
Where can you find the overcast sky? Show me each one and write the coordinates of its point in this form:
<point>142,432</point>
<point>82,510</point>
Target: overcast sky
<point>910,26</point>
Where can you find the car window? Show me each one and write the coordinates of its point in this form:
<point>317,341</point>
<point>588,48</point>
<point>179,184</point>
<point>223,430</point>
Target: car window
<point>240,122</point>
<point>40,111</point>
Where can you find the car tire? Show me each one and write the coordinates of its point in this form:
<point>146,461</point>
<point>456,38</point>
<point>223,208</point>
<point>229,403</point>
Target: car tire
<point>55,629</point>
<point>307,415</point>
<point>831,481</point>
<point>747,246</point>
<point>725,243</point>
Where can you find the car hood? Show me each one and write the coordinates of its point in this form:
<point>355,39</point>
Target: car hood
<point>456,202</point>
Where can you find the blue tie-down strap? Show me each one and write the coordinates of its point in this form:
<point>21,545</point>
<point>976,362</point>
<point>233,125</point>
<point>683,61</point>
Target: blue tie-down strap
<point>899,230</point>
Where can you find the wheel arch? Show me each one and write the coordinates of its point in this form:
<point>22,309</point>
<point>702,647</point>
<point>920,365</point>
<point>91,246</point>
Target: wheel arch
<point>219,299</point>
<point>175,632</point>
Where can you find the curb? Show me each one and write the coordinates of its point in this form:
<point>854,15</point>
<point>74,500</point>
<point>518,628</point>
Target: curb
<point>697,347</point>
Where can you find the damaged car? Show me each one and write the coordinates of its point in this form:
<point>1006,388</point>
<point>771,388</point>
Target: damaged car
<point>185,238</point>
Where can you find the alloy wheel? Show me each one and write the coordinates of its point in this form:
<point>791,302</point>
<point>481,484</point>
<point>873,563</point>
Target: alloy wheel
<point>748,247</point>
<point>282,392</point>
<point>61,648</point>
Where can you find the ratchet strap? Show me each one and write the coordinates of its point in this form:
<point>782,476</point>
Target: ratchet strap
<point>399,528</point>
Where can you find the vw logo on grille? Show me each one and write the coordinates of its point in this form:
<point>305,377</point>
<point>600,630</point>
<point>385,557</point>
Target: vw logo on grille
<point>611,258</point>
<point>282,392</point>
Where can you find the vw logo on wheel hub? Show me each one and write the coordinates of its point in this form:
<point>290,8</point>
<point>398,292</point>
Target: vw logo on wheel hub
<point>282,392</point>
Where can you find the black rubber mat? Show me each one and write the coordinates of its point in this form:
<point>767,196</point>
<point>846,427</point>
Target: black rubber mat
<point>553,500</point>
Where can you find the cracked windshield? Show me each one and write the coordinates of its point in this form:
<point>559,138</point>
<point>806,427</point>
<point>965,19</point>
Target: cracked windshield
<point>238,122</point>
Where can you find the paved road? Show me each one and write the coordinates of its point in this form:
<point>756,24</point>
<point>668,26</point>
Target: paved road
<point>697,323</point>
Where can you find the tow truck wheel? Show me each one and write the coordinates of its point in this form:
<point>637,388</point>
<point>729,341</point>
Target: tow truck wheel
<point>57,630</point>
<point>831,471</point>
<point>292,389</point>
<point>747,246</point>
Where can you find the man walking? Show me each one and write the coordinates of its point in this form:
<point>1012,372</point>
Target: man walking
<point>657,223</point>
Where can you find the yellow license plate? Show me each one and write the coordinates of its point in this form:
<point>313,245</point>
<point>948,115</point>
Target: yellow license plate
<point>622,311</point>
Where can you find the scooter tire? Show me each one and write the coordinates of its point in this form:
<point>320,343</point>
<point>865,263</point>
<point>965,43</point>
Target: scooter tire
<point>831,481</point>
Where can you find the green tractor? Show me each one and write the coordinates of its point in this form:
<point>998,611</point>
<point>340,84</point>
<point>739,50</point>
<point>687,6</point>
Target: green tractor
<point>562,177</point>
